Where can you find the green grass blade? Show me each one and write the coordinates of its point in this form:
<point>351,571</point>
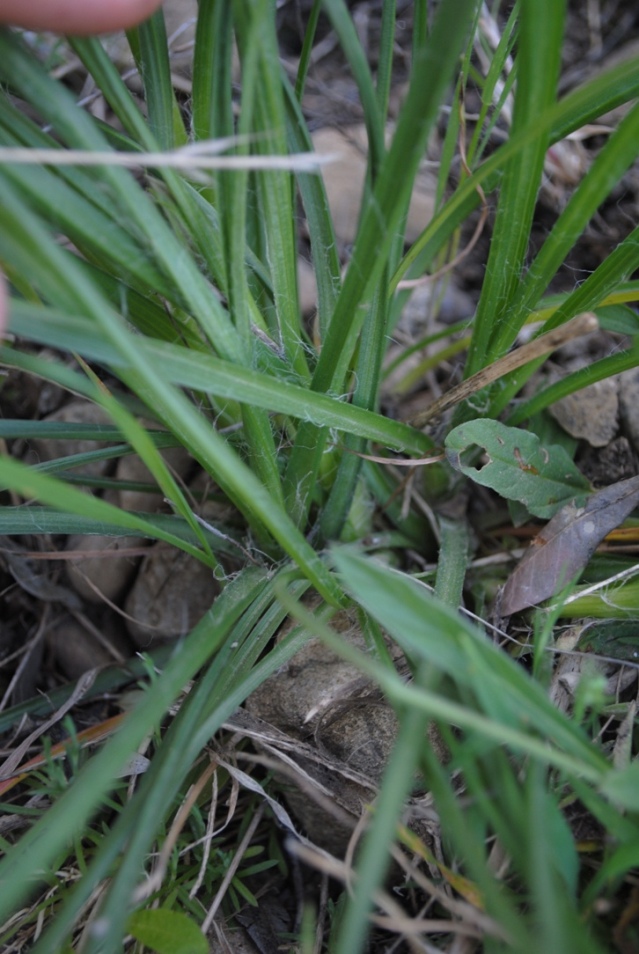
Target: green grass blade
<point>145,447</point>
<point>257,39</point>
<point>307,49</point>
<point>212,105</point>
<point>386,50</point>
<point>327,270</point>
<point>51,835</point>
<point>598,371</point>
<point>69,430</point>
<point>78,129</point>
<point>232,190</point>
<point>417,620</point>
<point>585,104</point>
<point>365,395</point>
<point>326,263</point>
<point>380,222</point>
<point>155,69</point>
<point>539,58</point>
<point>104,516</point>
<point>35,520</point>
<point>344,27</point>
<point>22,232</point>
<point>452,561</point>
<point>491,102</point>
<point>374,859</point>
<point>223,379</point>
<point>606,171</point>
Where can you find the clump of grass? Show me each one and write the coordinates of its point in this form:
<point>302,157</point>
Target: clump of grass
<point>181,291</point>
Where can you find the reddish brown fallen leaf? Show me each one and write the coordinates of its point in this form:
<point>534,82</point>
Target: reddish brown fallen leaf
<point>93,734</point>
<point>564,547</point>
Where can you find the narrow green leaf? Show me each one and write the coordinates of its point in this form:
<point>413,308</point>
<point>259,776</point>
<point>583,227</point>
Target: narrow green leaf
<point>598,371</point>
<point>155,69</point>
<point>622,787</point>
<point>428,629</point>
<point>345,28</point>
<point>365,395</point>
<point>212,78</point>
<point>307,49</point>
<point>71,431</point>
<point>538,62</point>
<point>583,105</point>
<point>452,560</point>
<point>96,512</point>
<point>381,219</point>
<point>608,168</point>
<point>200,371</point>
<point>16,521</point>
<point>51,834</point>
<point>385,67</point>
<point>324,252</point>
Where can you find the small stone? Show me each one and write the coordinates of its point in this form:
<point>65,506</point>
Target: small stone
<point>132,468</point>
<point>344,182</point>
<point>100,572</point>
<point>307,285</point>
<point>76,649</point>
<point>591,413</point>
<point>171,594</point>
<point>629,405</point>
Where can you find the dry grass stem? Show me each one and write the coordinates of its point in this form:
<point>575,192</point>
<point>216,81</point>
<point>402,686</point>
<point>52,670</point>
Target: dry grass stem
<point>579,325</point>
<point>230,874</point>
<point>9,766</point>
<point>187,158</point>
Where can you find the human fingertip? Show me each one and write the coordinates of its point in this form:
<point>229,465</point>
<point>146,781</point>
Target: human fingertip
<point>76,17</point>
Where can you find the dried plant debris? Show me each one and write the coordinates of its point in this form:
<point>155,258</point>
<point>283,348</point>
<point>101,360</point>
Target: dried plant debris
<point>563,548</point>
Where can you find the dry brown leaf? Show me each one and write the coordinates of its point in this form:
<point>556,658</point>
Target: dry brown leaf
<point>565,545</point>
